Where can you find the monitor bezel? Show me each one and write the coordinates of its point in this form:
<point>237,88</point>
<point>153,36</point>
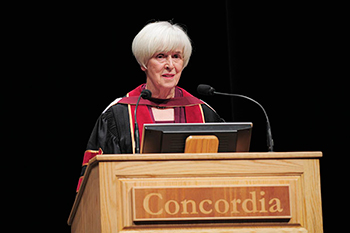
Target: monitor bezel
<point>240,132</point>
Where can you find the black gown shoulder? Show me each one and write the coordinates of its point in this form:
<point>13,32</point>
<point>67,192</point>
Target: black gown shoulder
<point>112,131</point>
<point>210,115</point>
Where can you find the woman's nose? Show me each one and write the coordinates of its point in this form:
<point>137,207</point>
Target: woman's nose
<point>169,63</point>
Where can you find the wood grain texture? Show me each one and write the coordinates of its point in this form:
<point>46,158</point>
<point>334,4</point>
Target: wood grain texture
<point>202,144</point>
<point>208,156</point>
<point>210,202</point>
<point>104,203</point>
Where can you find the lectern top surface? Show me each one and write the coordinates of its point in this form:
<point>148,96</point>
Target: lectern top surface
<point>209,156</point>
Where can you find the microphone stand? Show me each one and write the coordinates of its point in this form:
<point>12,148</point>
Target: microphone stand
<point>136,130</point>
<point>146,94</point>
<point>270,142</point>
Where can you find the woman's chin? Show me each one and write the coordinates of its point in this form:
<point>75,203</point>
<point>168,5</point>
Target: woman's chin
<point>169,83</point>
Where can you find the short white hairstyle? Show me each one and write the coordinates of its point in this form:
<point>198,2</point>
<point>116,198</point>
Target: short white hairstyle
<point>160,37</point>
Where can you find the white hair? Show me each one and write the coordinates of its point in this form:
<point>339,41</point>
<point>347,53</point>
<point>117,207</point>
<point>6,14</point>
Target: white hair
<point>160,37</point>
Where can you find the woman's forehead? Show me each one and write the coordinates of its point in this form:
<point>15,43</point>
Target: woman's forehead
<point>173,51</point>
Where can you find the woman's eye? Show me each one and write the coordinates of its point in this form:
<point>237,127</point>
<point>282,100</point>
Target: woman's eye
<point>177,56</point>
<point>160,56</point>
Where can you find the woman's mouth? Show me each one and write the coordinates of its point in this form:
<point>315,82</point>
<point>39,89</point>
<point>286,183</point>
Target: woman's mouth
<point>169,76</point>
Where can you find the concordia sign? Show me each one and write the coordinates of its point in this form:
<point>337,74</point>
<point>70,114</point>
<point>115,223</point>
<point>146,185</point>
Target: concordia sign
<point>227,202</point>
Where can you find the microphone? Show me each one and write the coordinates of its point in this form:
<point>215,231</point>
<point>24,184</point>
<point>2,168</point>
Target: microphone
<point>146,94</point>
<point>204,89</point>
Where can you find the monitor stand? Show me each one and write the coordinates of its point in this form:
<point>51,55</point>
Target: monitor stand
<point>202,144</point>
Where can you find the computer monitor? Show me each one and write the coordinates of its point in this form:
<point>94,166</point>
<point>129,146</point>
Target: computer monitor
<point>170,138</point>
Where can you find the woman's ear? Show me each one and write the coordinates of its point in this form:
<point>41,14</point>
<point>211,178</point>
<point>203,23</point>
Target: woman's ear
<point>143,68</point>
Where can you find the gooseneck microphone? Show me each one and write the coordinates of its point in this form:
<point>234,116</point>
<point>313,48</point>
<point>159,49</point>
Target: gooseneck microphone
<point>204,89</point>
<point>146,94</point>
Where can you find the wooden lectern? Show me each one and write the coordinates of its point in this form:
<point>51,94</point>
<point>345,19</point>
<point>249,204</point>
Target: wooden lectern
<point>205,192</point>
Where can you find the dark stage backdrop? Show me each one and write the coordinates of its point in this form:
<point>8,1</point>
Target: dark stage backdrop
<point>79,60</point>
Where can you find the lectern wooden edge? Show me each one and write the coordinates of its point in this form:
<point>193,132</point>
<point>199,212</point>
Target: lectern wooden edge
<point>109,197</point>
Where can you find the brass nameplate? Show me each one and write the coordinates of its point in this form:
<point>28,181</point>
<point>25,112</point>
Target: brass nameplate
<point>212,203</point>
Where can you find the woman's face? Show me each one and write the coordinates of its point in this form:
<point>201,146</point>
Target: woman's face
<point>164,72</point>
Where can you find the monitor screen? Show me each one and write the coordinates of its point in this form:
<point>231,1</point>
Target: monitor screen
<point>171,138</point>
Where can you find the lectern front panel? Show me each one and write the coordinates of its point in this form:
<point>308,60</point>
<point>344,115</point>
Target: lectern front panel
<point>235,192</point>
<point>219,192</point>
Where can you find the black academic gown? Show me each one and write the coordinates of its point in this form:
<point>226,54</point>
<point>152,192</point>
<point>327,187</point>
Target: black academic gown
<point>112,131</point>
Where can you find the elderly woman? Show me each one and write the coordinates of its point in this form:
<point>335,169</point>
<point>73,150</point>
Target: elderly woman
<point>163,50</point>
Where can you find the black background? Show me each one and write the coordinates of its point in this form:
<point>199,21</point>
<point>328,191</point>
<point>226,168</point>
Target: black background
<point>68,61</point>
